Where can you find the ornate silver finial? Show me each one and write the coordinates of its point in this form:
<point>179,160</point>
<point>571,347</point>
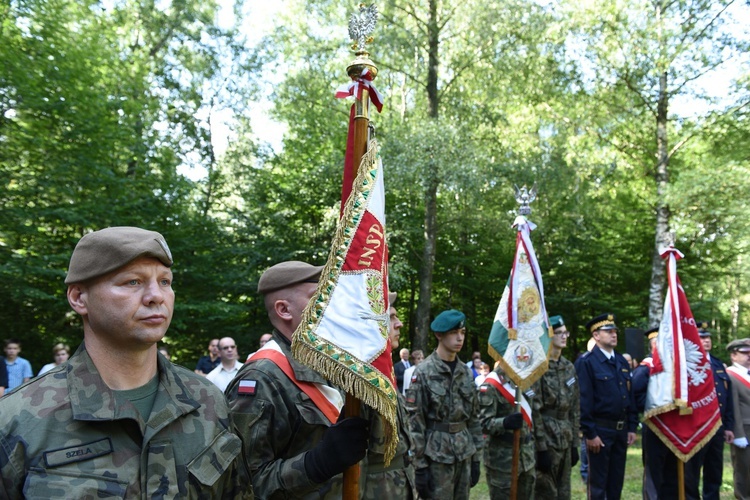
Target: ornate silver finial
<point>525,196</point>
<point>361,24</point>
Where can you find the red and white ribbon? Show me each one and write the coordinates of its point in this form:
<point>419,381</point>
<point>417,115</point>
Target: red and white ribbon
<point>355,87</point>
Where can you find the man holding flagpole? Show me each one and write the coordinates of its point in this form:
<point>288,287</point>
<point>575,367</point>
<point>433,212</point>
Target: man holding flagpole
<point>499,417</point>
<point>608,415</point>
<point>443,408</point>
<point>287,415</point>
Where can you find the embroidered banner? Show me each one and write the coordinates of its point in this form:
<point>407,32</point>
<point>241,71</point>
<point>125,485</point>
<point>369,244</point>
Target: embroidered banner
<point>681,404</point>
<point>520,335</point>
<point>344,330</point>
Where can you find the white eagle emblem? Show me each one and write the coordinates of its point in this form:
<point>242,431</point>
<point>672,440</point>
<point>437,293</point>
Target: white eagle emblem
<point>697,364</point>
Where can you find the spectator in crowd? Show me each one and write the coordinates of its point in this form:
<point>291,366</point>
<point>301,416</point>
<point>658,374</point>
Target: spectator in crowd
<point>484,370</point>
<point>261,342</point>
<point>476,364</point>
<point>208,363</point>
<point>229,366</point>
<point>60,353</point>
<point>417,357</point>
<point>19,369</point>
<point>400,367</point>
<point>165,352</point>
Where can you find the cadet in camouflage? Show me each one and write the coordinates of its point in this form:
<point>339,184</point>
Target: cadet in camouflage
<point>499,419</point>
<point>557,402</point>
<point>283,411</point>
<point>443,408</point>
<point>395,481</point>
<point>165,431</point>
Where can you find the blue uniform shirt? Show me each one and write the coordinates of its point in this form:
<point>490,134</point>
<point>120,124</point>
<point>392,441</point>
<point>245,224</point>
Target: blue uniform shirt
<point>605,392</point>
<point>723,385</point>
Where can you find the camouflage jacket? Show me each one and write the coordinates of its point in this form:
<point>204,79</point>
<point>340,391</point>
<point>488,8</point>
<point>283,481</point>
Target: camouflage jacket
<point>436,400</point>
<point>63,436</point>
<point>397,479</point>
<point>557,402</point>
<point>278,424</point>
<point>498,451</point>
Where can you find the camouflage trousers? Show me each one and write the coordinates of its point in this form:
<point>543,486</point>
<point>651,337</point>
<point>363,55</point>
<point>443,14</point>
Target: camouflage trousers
<point>555,484</point>
<point>452,481</point>
<point>499,482</point>
<point>397,484</point>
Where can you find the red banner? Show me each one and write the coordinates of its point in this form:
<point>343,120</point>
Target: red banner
<point>681,404</point>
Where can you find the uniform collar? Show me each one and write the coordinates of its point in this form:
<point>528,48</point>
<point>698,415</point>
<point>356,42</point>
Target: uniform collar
<point>92,400</point>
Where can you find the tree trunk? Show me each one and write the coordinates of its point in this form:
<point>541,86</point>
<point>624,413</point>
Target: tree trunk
<point>432,180</point>
<point>663,236</point>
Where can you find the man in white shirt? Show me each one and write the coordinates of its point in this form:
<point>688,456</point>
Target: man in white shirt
<point>417,357</point>
<point>229,366</point>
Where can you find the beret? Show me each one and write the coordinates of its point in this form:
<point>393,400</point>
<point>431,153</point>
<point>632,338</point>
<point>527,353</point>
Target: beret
<point>604,321</point>
<point>109,249</point>
<point>392,298</point>
<point>739,345</point>
<point>651,333</point>
<point>556,321</point>
<point>448,320</point>
<point>286,274</point>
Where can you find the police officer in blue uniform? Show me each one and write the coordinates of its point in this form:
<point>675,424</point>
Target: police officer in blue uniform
<point>608,414</point>
<point>711,456</point>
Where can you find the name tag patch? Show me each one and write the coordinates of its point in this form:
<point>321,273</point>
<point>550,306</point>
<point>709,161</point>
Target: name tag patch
<point>247,387</point>
<point>530,393</point>
<point>78,453</point>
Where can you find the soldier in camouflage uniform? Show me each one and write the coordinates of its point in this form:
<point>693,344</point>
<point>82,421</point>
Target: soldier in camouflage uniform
<point>443,408</point>
<point>395,481</point>
<point>499,419</point>
<point>119,420</point>
<point>557,401</point>
<point>284,411</point>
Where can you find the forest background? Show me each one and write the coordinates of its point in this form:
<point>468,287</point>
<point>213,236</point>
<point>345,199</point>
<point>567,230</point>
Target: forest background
<point>631,117</point>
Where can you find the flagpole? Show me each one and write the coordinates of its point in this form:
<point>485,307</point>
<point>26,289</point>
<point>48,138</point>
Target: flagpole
<point>680,478</point>
<point>360,26</point>
<point>516,451</point>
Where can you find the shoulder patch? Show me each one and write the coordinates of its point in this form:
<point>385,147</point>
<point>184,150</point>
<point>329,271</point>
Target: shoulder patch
<point>570,381</point>
<point>247,387</point>
<point>414,377</point>
<point>483,388</point>
<point>410,398</point>
<point>530,393</point>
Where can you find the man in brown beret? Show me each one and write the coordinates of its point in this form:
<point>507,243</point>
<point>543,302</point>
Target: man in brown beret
<point>294,441</point>
<point>119,420</point>
<point>739,350</point>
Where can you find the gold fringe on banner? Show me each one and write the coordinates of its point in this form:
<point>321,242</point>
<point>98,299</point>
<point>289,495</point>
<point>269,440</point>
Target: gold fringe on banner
<point>353,375</point>
<point>682,456</point>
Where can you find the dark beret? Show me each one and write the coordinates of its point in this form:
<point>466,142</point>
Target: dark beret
<point>651,333</point>
<point>448,320</point>
<point>604,321</point>
<point>109,249</point>
<point>556,321</point>
<point>286,274</point>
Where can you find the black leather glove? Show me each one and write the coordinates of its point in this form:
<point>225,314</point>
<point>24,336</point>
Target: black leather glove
<point>574,456</point>
<point>343,444</point>
<point>425,486</point>
<point>543,461</point>
<point>513,421</point>
<point>474,473</point>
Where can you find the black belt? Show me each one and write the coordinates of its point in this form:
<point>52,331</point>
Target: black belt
<point>559,415</point>
<point>617,425</point>
<point>452,427</point>
<point>508,438</point>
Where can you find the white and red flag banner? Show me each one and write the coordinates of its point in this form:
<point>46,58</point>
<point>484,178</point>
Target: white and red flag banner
<point>520,334</point>
<point>344,329</point>
<point>681,404</point>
